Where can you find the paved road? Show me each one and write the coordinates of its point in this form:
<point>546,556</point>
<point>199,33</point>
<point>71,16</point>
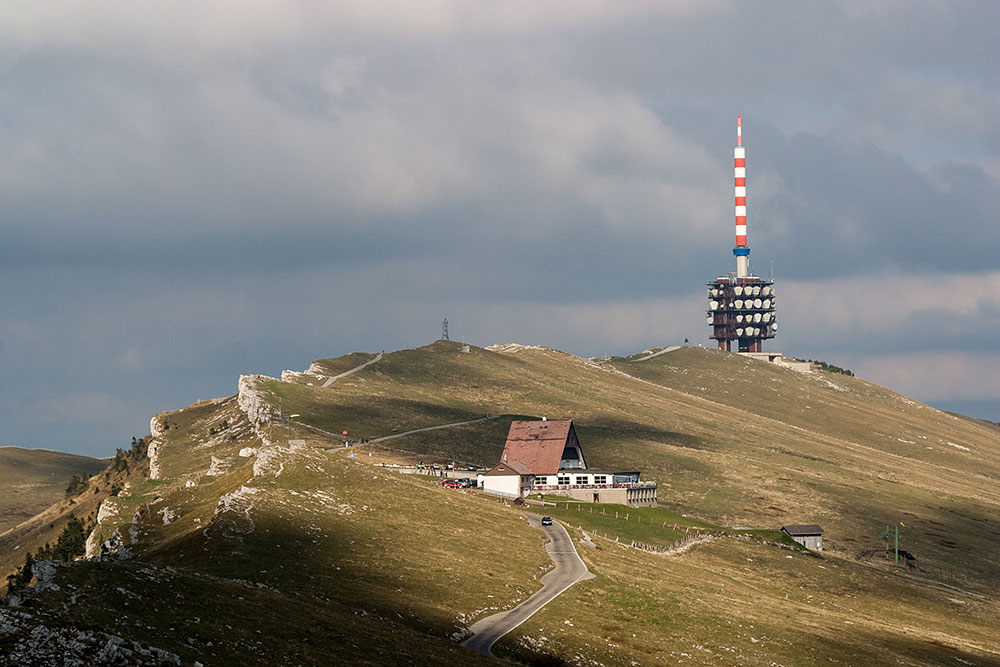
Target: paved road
<point>569,570</point>
<point>330,381</point>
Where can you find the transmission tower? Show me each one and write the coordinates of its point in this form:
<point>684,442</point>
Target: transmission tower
<point>444,330</point>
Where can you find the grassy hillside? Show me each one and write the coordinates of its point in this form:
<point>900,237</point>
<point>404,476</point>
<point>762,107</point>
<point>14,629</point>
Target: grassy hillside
<point>742,601</point>
<point>729,439</point>
<point>116,478</point>
<point>263,543</point>
<point>33,479</point>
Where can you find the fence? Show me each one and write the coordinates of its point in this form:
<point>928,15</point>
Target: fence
<point>623,516</point>
<point>671,547</point>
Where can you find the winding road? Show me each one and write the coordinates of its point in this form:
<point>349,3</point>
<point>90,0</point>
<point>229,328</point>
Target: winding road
<point>569,569</point>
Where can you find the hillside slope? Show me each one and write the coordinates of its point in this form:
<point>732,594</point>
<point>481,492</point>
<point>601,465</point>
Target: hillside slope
<point>33,479</point>
<point>730,439</point>
<point>255,539</point>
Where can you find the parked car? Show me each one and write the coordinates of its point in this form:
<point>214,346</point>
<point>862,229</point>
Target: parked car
<point>471,468</point>
<point>452,483</point>
<point>546,521</point>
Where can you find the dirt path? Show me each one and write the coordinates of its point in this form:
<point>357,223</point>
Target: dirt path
<point>333,379</point>
<point>656,354</point>
<point>432,428</point>
<point>400,435</point>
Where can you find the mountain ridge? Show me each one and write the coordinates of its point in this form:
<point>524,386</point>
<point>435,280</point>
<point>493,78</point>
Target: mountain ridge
<point>269,514</point>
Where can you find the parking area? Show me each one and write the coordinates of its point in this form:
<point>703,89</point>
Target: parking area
<point>461,483</point>
<point>438,470</point>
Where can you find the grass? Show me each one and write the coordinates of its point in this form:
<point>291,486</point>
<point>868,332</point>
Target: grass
<point>731,441</point>
<point>742,601</point>
<point>385,566</point>
<point>654,526</point>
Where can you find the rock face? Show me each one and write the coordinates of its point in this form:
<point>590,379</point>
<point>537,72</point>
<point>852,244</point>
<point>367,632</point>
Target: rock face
<point>106,510</point>
<point>252,402</point>
<point>157,427</point>
<point>45,573</point>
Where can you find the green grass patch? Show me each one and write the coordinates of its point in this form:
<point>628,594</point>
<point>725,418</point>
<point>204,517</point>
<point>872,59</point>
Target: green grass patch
<point>654,526</point>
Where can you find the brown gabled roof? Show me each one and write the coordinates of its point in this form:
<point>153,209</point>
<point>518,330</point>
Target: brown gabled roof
<point>537,445</point>
<point>806,529</point>
<point>505,468</point>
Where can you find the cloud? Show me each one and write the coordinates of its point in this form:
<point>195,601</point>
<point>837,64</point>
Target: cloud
<point>193,191</point>
<point>893,306</point>
<point>933,376</point>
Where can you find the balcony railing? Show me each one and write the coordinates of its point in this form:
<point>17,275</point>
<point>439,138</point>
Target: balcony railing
<point>623,485</point>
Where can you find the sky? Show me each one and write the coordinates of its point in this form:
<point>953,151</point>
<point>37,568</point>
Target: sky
<point>190,191</point>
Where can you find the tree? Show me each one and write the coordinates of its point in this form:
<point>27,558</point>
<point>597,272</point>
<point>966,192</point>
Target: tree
<point>72,541</point>
<point>23,577</point>
<point>77,485</point>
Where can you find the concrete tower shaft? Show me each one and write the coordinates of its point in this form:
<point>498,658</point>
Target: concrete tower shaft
<point>741,250</point>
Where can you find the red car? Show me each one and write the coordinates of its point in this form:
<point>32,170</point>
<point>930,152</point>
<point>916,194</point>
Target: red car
<point>452,483</point>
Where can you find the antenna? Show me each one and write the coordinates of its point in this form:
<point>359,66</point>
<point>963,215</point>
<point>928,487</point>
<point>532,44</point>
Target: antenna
<point>741,251</point>
<point>444,329</point>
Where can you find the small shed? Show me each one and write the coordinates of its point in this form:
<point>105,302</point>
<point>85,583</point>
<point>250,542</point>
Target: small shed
<point>808,535</point>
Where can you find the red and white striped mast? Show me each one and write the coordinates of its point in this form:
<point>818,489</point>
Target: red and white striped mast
<point>741,250</point>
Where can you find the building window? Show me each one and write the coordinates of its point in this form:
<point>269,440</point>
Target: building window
<point>564,479</point>
<point>582,479</point>
<point>600,479</point>
<point>541,481</point>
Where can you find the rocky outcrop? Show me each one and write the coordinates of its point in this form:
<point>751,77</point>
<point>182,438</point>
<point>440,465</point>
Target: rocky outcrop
<point>252,401</point>
<point>28,641</point>
<point>44,572</point>
<point>220,466</point>
<point>93,545</point>
<point>157,427</point>
<point>108,509</point>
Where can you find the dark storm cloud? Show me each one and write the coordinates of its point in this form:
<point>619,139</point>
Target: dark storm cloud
<point>187,195</point>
